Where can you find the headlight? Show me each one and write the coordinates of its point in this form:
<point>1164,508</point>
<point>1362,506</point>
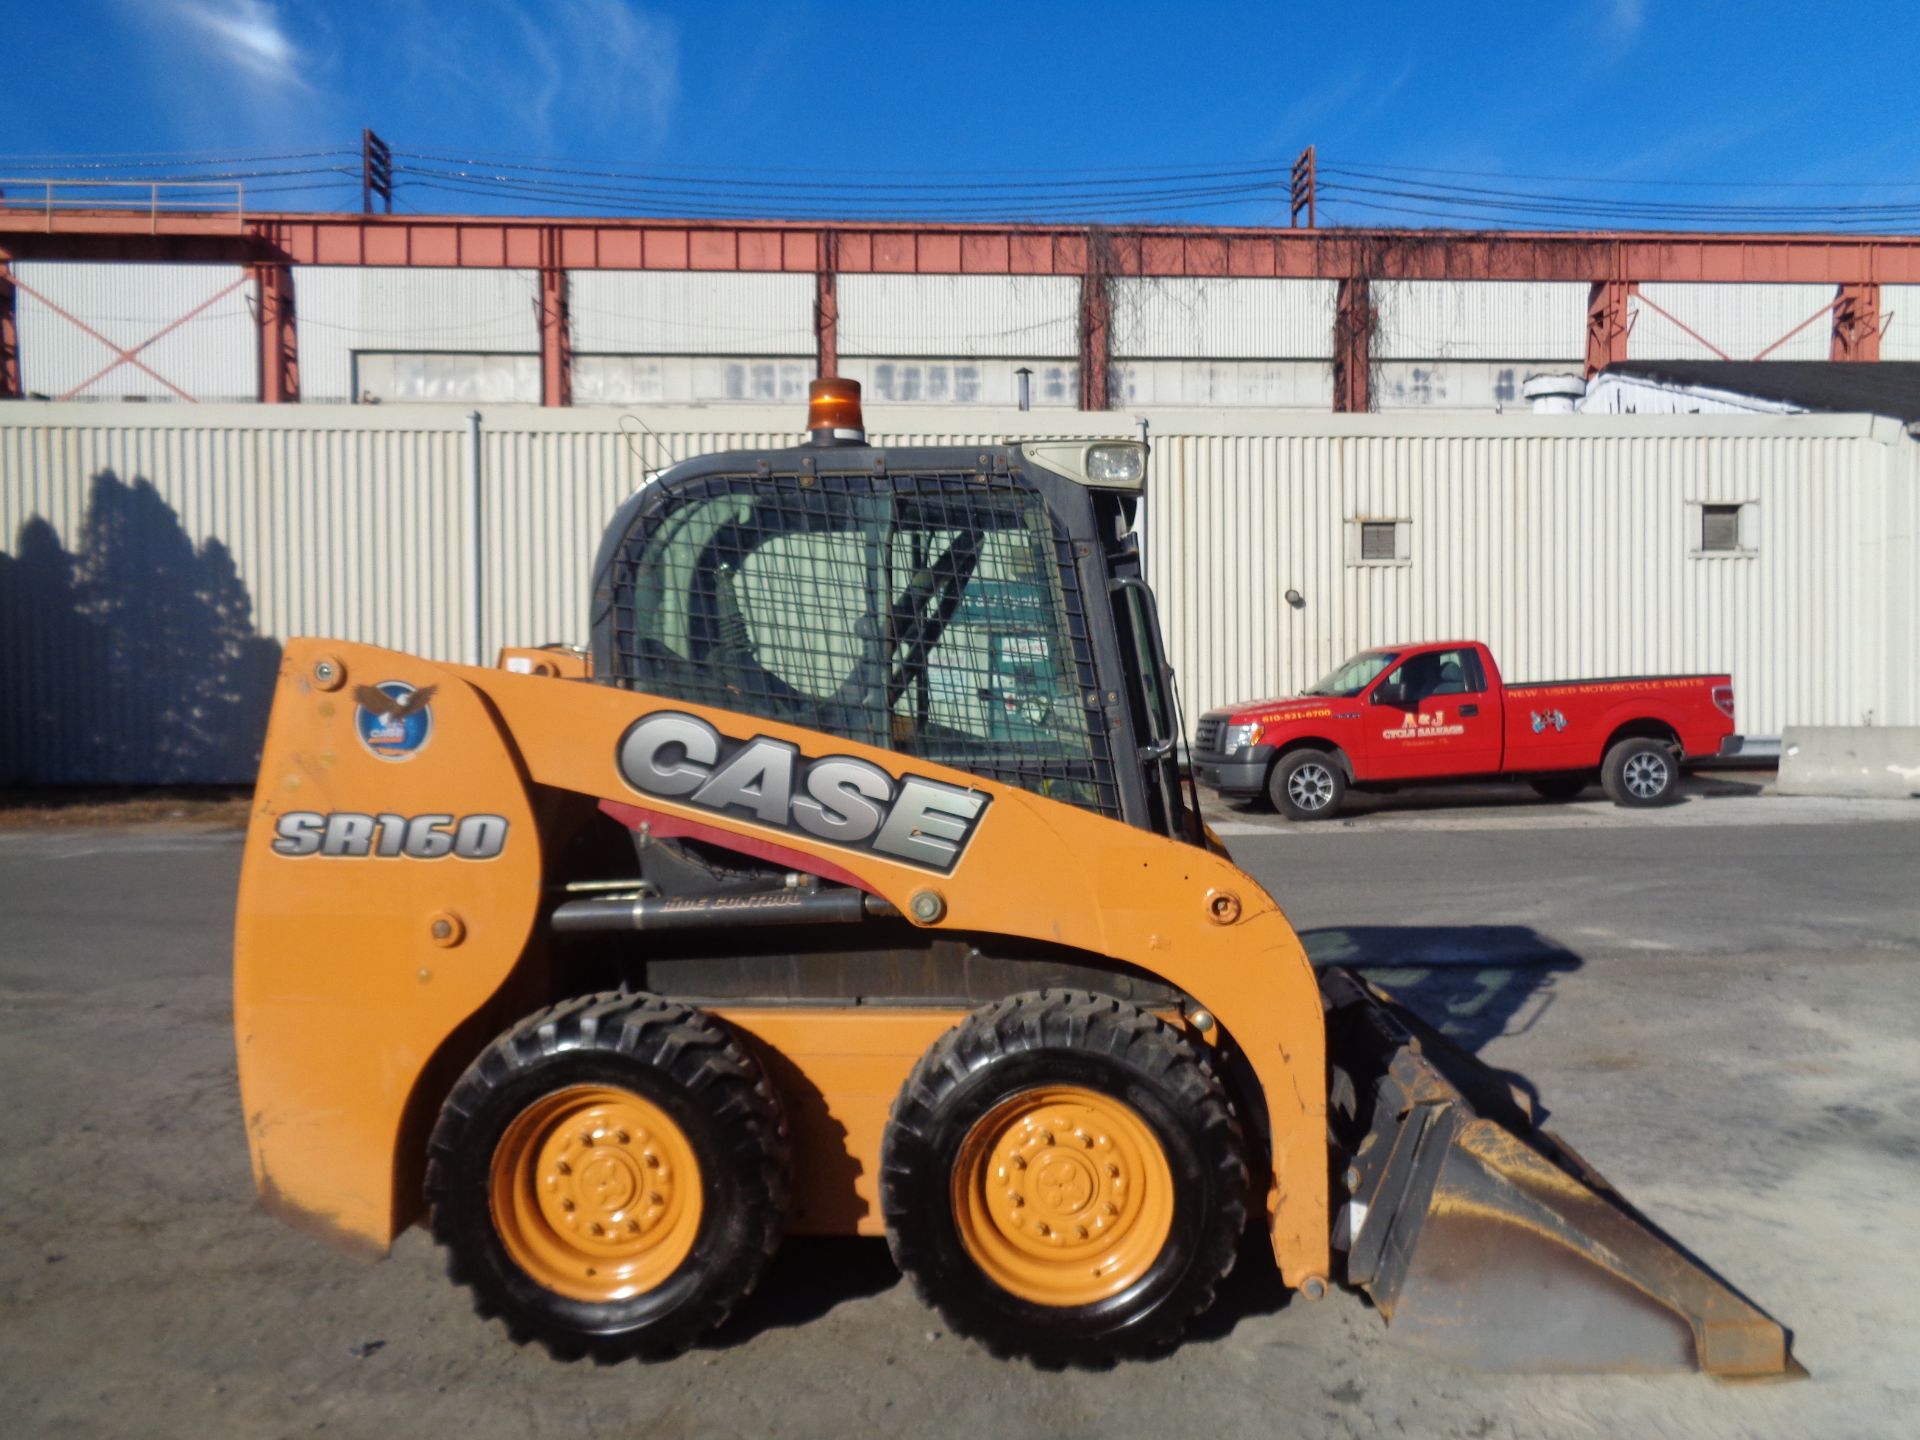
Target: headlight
<point>1104,464</point>
<point>1239,736</point>
<point>1120,466</point>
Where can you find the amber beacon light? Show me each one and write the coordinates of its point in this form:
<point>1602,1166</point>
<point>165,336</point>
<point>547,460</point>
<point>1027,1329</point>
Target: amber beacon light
<point>833,413</point>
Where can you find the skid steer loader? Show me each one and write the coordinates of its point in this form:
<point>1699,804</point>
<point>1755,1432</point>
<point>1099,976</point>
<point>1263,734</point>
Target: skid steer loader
<point>848,884</point>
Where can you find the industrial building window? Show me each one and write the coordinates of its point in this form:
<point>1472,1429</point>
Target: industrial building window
<point>1719,527</point>
<point>1378,542</point>
<point>1724,530</point>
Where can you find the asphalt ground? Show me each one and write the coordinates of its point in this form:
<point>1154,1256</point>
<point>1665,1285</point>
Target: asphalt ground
<point>1719,1005</point>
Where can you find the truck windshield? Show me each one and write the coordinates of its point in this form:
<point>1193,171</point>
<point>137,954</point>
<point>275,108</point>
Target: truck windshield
<point>1354,674</point>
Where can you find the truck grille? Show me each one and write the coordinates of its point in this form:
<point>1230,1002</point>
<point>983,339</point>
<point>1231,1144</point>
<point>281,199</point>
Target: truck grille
<point>1206,735</point>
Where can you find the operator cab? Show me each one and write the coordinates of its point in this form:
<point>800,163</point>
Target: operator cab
<point>979,607</point>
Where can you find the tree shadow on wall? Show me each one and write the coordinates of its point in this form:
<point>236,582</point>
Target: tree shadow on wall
<point>131,659</point>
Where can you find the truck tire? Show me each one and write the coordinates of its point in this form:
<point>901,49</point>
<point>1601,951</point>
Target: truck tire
<point>1560,787</point>
<point>1640,772</point>
<point>1307,785</point>
<point>1064,1178</point>
<point>610,1177</point>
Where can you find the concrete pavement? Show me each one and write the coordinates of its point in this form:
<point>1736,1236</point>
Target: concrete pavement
<point>1725,1019</point>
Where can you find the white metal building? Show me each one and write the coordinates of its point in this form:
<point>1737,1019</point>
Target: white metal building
<point>733,337</point>
<point>152,558</point>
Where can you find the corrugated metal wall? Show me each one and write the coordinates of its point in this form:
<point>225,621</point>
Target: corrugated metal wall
<point>1740,321</point>
<point>154,558</point>
<point>1223,319</point>
<point>1900,322</point>
<point>1013,316</point>
<point>1479,320</point>
<point>210,356</point>
<point>341,310</point>
<point>675,312</point>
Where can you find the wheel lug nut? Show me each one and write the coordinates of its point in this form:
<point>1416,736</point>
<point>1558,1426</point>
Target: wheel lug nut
<point>1079,1232</point>
<point>566,1205</point>
<point>563,1167</point>
<point>1109,1208</point>
<point>597,1228</point>
<point>1015,1199</point>
<point>620,1137</point>
<point>654,1197</point>
<point>1018,1162</point>
<point>1042,1228</point>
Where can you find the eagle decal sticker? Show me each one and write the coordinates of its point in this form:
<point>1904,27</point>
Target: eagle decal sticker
<point>394,719</point>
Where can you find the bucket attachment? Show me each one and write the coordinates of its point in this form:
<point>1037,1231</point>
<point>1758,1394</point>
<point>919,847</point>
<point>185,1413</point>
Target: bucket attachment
<point>1485,1240</point>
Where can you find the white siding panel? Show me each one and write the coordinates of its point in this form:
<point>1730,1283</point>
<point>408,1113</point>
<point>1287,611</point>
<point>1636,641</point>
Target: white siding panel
<point>945,380</point>
<point>1456,384</point>
<point>1223,319</point>
<point>340,310</point>
<point>670,312</point>
<point>1900,322</point>
<point>1740,321</point>
<point>1265,384</point>
<point>959,315</point>
<point>1479,320</point>
<point>156,556</point>
<point>212,356</point>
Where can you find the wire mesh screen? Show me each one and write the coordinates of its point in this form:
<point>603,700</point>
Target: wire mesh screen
<point>935,615</point>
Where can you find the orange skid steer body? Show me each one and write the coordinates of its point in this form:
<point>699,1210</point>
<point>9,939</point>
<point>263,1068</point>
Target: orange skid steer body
<point>615,986</point>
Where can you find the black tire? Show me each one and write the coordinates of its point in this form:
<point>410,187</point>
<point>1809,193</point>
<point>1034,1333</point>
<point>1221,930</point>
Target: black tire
<point>1641,772</point>
<point>1560,787</point>
<point>1307,785</point>
<point>677,1059</point>
<point>1051,1038</point>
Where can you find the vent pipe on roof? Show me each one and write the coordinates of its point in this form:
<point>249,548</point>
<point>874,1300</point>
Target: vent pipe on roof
<point>1554,394</point>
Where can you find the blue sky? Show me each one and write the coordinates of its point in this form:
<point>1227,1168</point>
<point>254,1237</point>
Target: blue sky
<point>1706,92</point>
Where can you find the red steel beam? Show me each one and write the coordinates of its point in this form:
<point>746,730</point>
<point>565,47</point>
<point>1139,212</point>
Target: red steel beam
<point>586,243</point>
<point>1856,323</point>
<point>279,345</point>
<point>1353,326</point>
<point>826,311</point>
<point>11,386</point>
<point>556,328</point>
<point>1608,319</point>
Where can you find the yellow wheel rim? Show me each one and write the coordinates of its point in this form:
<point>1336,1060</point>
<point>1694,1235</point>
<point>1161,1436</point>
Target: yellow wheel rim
<point>1063,1196</point>
<point>595,1193</point>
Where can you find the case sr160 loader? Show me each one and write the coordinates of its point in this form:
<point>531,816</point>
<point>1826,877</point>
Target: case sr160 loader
<point>847,883</point>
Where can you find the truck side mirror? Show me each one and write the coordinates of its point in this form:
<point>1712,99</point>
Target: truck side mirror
<point>1385,694</point>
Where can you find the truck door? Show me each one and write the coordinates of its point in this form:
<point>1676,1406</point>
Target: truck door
<point>1432,715</point>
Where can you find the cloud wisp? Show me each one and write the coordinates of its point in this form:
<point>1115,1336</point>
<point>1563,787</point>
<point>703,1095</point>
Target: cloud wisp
<point>246,35</point>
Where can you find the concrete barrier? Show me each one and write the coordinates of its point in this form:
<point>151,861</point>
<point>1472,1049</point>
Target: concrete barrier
<point>1859,760</point>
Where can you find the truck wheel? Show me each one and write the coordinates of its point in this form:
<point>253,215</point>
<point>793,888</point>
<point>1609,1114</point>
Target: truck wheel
<point>1560,787</point>
<point>609,1177</point>
<point>1307,785</point>
<point>1064,1178</point>
<point>1641,772</point>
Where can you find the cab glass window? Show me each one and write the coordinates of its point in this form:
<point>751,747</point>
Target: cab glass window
<point>934,616</point>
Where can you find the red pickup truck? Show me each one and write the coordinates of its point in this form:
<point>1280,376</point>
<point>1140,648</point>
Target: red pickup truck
<point>1403,714</point>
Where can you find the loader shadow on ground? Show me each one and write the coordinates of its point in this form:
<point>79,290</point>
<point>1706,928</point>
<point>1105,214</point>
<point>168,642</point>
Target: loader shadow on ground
<point>808,1276</point>
<point>1470,982</point>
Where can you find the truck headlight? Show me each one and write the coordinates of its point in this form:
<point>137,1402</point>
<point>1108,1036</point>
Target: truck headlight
<point>1240,736</point>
